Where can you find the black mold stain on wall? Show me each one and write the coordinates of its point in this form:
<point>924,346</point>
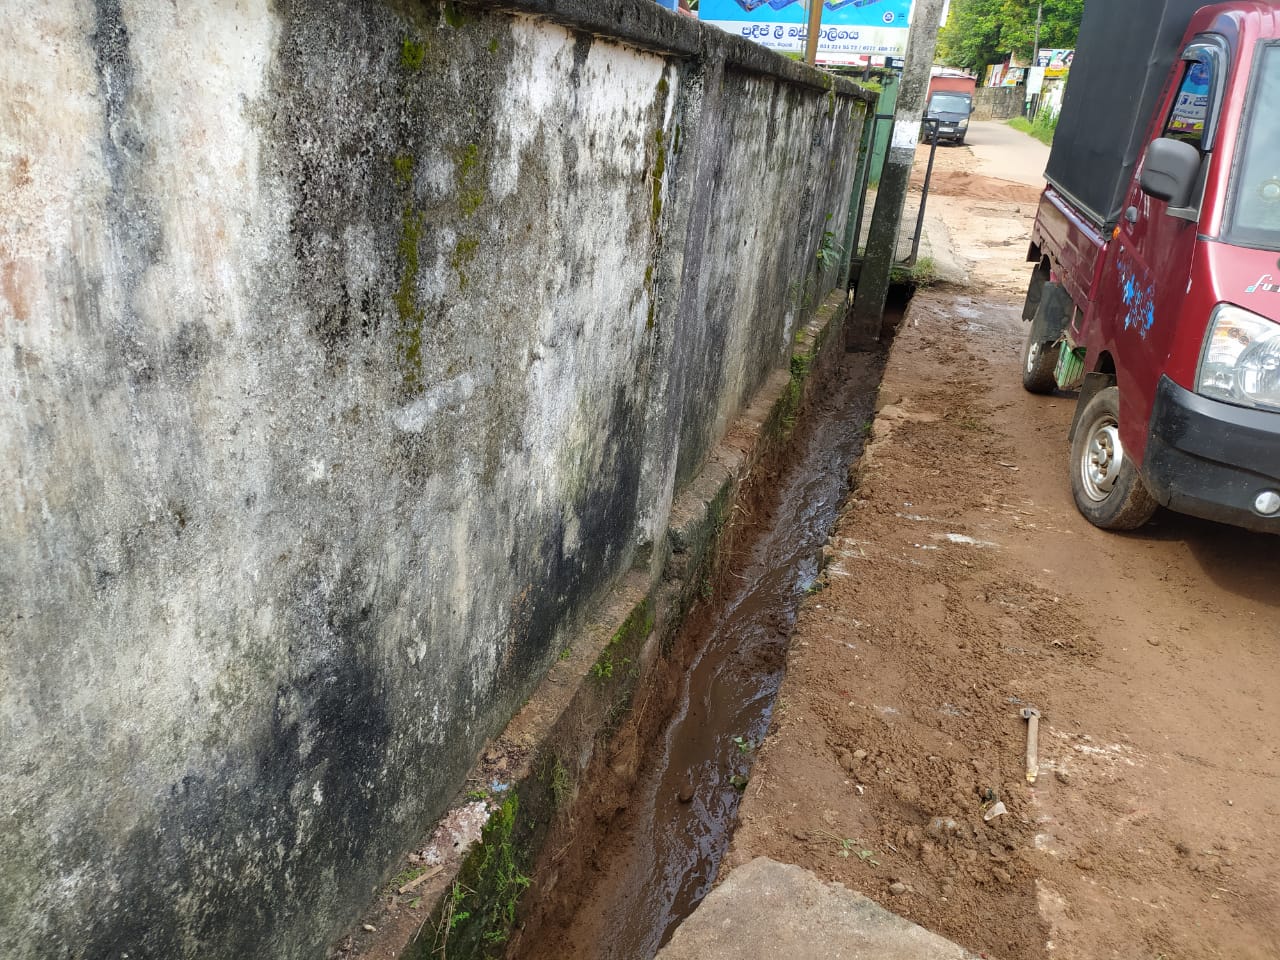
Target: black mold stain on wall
<point>132,221</point>
<point>561,582</point>
<point>235,855</point>
<point>334,142</point>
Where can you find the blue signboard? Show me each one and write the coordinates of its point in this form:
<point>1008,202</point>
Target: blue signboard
<point>850,28</point>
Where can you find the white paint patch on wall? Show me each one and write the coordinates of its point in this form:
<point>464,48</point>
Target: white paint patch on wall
<point>51,181</point>
<point>50,164</point>
<point>539,53</point>
<point>588,329</point>
<point>200,69</point>
<point>74,437</point>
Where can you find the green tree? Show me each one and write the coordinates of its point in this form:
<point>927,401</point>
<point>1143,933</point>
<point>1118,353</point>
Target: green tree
<point>980,32</point>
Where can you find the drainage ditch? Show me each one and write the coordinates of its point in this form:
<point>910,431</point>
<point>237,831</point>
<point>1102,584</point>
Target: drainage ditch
<point>654,853</point>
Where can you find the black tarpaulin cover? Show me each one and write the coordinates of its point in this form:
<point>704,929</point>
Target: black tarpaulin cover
<point>1123,59</point>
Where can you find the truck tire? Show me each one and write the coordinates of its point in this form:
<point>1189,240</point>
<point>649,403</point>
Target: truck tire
<point>1039,361</point>
<point>1106,485</point>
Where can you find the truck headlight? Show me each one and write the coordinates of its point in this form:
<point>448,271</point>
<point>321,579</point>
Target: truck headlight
<point>1241,362</point>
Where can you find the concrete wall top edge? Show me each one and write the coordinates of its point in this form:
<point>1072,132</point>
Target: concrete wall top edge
<point>644,24</point>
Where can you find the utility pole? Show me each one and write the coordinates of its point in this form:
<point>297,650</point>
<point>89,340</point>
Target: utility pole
<point>1035,59</point>
<point>815,28</point>
<point>1035,47</point>
<point>863,328</point>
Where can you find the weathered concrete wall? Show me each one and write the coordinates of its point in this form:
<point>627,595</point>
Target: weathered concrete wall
<point>998,103</point>
<point>348,353</point>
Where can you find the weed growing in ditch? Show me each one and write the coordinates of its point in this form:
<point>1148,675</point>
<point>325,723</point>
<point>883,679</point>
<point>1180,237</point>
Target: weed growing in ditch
<point>561,784</point>
<point>477,916</point>
<point>830,250</point>
<point>923,274</point>
<point>637,626</point>
<point>455,916</point>
<point>744,745</point>
<point>602,669</point>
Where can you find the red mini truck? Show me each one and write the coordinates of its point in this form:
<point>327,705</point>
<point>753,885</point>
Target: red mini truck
<point>1156,291</point>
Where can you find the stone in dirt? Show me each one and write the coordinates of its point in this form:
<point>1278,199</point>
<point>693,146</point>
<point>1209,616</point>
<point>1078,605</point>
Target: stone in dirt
<point>766,910</point>
<point>943,827</point>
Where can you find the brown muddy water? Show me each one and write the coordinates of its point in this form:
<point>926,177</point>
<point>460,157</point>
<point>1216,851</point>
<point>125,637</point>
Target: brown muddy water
<point>659,857</point>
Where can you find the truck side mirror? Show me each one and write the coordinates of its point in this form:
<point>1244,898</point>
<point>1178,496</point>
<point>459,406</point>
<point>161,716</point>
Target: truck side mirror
<point>1169,171</point>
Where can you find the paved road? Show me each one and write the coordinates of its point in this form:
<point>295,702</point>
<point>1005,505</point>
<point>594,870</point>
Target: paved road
<point>1006,154</point>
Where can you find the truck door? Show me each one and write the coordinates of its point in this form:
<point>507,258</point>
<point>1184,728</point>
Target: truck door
<point>1151,257</point>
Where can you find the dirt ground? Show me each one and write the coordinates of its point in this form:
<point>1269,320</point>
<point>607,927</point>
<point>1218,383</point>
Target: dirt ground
<point>963,585</point>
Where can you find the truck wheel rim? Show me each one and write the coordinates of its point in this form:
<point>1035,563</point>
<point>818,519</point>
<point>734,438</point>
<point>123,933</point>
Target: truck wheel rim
<point>1033,356</point>
<point>1102,460</point>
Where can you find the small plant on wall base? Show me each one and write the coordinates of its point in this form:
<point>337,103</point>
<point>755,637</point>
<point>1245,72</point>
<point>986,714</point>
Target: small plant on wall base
<point>829,251</point>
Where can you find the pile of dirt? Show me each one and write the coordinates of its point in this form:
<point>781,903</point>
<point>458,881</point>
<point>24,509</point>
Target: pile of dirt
<point>960,183</point>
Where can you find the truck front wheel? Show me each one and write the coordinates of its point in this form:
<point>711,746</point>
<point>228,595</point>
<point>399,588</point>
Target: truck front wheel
<point>1105,483</point>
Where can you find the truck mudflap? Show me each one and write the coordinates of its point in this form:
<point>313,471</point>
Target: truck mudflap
<point>1214,460</point>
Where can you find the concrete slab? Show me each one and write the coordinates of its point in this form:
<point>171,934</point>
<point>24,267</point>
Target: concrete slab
<point>937,247</point>
<point>936,244</point>
<point>766,910</point>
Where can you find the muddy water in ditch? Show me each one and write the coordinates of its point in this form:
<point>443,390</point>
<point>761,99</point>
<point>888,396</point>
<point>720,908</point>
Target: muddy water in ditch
<point>660,857</point>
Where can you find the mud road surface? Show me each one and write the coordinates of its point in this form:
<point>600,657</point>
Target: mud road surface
<point>962,586</point>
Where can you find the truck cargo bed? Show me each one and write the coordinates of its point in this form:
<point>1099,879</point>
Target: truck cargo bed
<point>1074,246</point>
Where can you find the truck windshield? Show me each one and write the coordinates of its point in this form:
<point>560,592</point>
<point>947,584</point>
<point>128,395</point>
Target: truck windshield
<point>949,103</point>
<point>1255,209</point>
